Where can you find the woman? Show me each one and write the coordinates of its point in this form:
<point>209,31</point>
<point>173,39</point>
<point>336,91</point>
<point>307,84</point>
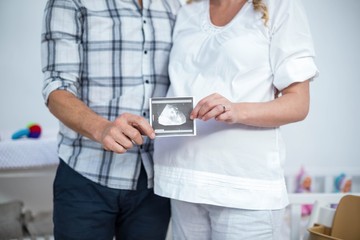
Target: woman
<point>249,64</point>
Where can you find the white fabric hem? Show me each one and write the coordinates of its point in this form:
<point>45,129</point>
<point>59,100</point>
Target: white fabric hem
<point>208,188</point>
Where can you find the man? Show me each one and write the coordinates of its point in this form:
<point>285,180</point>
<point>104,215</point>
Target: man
<point>102,61</point>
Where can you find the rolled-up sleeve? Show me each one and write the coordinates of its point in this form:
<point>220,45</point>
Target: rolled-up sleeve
<point>291,49</point>
<point>61,47</point>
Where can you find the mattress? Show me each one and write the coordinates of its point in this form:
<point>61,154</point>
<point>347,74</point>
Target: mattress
<point>28,153</point>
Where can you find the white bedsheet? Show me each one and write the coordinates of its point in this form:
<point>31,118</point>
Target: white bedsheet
<point>28,153</point>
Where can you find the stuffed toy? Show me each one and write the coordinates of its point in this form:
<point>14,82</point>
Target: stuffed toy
<point>343,183</point>
<point>303,185</point>
<point>31,131</point>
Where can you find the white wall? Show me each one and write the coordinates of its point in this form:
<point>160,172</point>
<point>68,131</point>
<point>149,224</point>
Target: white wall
<point>328,138</point>
<point>21,101</point>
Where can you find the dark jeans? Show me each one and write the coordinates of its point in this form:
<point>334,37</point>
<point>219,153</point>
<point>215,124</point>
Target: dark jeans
<point>86,210</point>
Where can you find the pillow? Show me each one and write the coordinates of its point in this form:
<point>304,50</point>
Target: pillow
<point>10,220</point>
<point>40,224</point>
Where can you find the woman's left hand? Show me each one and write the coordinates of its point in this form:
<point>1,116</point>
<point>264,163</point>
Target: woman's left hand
<point>214,106</point>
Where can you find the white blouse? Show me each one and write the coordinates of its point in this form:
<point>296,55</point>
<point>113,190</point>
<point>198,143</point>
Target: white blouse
<point>233,165</point>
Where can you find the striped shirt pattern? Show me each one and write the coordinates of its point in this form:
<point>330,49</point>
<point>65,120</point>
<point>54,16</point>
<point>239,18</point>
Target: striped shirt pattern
<point>113,55</point>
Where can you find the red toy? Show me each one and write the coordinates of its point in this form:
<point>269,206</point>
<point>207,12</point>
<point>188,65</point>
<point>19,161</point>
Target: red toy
<point>32,131</point>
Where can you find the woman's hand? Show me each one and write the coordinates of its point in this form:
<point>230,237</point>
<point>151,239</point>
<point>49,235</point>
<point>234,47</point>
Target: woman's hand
<point>291,106</point>
<point>214,106</point>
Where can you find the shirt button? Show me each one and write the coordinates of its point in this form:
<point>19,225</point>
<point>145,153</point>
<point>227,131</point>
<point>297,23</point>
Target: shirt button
<point>145,52</point>
<point>144,21</point>
<point>147,81</point>
<point>144,114</point>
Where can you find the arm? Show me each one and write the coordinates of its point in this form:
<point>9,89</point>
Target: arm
<point>291,106</point>
<point>117,136</point>
<point>61,55</point>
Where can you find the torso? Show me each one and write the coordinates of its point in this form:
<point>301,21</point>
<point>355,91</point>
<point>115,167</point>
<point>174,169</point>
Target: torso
<point>230,161</point>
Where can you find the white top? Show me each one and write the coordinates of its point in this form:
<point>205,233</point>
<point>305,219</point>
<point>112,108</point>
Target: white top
<point>233,165</point>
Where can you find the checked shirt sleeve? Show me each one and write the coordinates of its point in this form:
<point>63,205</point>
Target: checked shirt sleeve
<point>61,47</point>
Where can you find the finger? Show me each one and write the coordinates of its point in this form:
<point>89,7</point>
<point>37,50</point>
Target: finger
<point>141,125</point>
<point>133,134</point>
<point>227,116</point>
<point>212,108</point>
<point>117,134</point>
<point>110,144</point>
<point>208,103</point>
<point>223,117</point>
<point>195,112</point>
<point>214,112</point>
<point>124,140</point>
<point>144,128</point>
<point>199,109</point>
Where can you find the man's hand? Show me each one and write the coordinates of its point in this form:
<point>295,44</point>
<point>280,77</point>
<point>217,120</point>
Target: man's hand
<point>117,136</point>
<point>127,129</point>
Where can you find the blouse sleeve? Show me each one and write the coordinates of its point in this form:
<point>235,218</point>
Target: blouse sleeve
<point>291,47</point>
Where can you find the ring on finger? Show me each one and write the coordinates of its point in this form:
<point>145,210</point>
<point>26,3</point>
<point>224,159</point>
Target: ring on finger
<point>224,108</point>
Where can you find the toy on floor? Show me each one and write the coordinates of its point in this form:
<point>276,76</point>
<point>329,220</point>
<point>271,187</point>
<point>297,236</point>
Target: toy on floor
<point>32,131</point>
<point>303,185</point>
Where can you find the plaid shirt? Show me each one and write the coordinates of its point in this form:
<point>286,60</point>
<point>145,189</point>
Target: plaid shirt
<point>112,55</point>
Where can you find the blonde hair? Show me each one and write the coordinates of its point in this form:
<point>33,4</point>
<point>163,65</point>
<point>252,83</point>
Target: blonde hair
<point>259,6</point>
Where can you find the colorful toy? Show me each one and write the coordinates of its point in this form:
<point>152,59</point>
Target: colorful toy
<point>303,185</point>
<point>32,131</point>
<point>342,183</point>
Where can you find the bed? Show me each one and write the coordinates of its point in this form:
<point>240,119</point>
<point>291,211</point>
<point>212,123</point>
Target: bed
<point>27,154</point>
